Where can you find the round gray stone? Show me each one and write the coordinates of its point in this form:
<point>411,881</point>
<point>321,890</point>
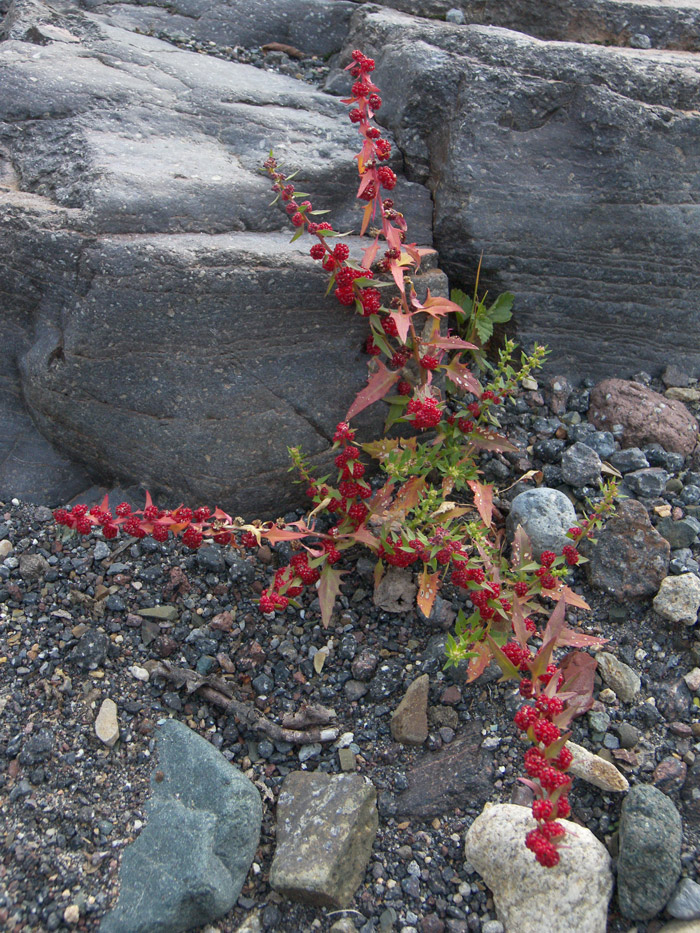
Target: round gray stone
<point>545,515</point>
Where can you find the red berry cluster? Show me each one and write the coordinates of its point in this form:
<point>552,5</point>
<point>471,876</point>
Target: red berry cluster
<point>546,762</point>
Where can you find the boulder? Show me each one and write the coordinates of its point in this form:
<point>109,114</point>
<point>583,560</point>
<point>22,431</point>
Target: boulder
<point>573,895</point>
<point>649,863</point>
<point>326,826</point>
<point>673,24</point>
<point>629,558</point>
<point>188,865</point>
<point>545,516</point>
<point>164,329</point>
<point>570,166</point>
<point>645,416</point>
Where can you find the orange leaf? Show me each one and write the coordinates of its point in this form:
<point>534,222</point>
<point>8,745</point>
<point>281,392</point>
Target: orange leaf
<point>377,387</point>
<point>483,500</point>
<point>479,663</point>
<point>366,217</point>
<point>397,273</point>
<point>427,591</point>
<point>438,306</point>
<point>452,343</point>
<point>328,590</point>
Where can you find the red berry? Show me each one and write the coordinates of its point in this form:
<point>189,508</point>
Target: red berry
<point>317,251</point>
<point>345,295</point>
<point>371,301</point>
<point>429,362</point>
<point>375,101</point>
<point>383,148</point>
<point>542,809</point>
<point>109,531</point>
<point>192,538</point>
<point>298,219</point>
<point>404,388</point>
<point>521,588</point>
<point>160,533</point>
<point>386,177</point>
<point>266,603</point>
<point>547,558</point>
<point>389,327</point>
<point>355,115</point>
<point>371,347</point>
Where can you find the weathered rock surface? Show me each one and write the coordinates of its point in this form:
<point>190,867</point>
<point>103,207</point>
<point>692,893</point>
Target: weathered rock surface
<point>188,865</point>
<point>165,330</point>
<point>532,150</point>
<point>573,895</point>
<point>630,558</point>
<point>646,416</point>
<point>326,825</point>
<point>458,775</point>
<point>649,863</point>
<point>667,25</point>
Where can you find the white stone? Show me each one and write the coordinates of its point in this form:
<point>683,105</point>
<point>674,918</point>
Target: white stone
<point>106,724</point>
<point>5,549</point>
<point>692,679</point>
<point>572,896</point>
<point>71,914</point>
<point>596,770</point>
<point>678,599</point>
<point>140,673</point>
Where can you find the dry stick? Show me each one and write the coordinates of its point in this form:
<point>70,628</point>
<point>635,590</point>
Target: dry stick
<point>219,692</point>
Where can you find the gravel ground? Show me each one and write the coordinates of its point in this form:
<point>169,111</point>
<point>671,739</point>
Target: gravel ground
<point>71,635</point>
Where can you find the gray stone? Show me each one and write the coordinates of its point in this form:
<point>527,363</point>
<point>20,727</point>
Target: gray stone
<point>678,599</point>
<point>649,862</point>
<point>580,465</point>
<point>685,901</point>
<point>630,558</point>
<point>90,651</point>
<point>628,460</point>
<point>326,825</point>
<point>188,865</point>
<point>545,515</point>
<point>32,567</point>
<point>679,534</point>
<point>647,483</point>
<point>618,676</point>
<point>492,119</point>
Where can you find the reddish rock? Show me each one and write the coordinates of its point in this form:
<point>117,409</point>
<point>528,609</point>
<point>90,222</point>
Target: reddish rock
<point>646,416</point>
<point>451,696</point>
<point>670,774</point>
<point>630,558</point>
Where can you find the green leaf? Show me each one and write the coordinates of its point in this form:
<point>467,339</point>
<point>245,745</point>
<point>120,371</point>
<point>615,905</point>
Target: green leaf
<point>464,301</point>
<point>315,213</point>
<point>296,236</point>
<point>484,329</point>
<point>501,310</point>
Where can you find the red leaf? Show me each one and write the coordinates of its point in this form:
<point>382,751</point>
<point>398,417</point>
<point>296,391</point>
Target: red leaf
<point>452,343</point>
<point>579,670</point>
<point>403,324</point>
<point>483,500</point>
<point>569,636</point>
<point>438,306</point>
<point>486,439</point>
<point>328,590</point>
<point>555,623</point>
<point>377,387</point>
<point>479,663</point>
<point>460,374</point>
<point>397,273</point>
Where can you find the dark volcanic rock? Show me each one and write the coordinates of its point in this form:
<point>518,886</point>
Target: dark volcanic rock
<point>533,152</point>
<point>459,775</point>
<point>630,558</point>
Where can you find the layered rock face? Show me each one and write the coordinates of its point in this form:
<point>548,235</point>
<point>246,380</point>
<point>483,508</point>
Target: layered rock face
<point>158,326</point>
<point>165,330</point>
<point>574,168</point>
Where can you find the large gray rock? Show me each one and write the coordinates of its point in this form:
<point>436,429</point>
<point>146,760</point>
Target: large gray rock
<point>165,330</point>
<point>545,516</point>
<point>326,826</point>
<point>188,865</point>
<point>649,863</point>
<point>573,168</point>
